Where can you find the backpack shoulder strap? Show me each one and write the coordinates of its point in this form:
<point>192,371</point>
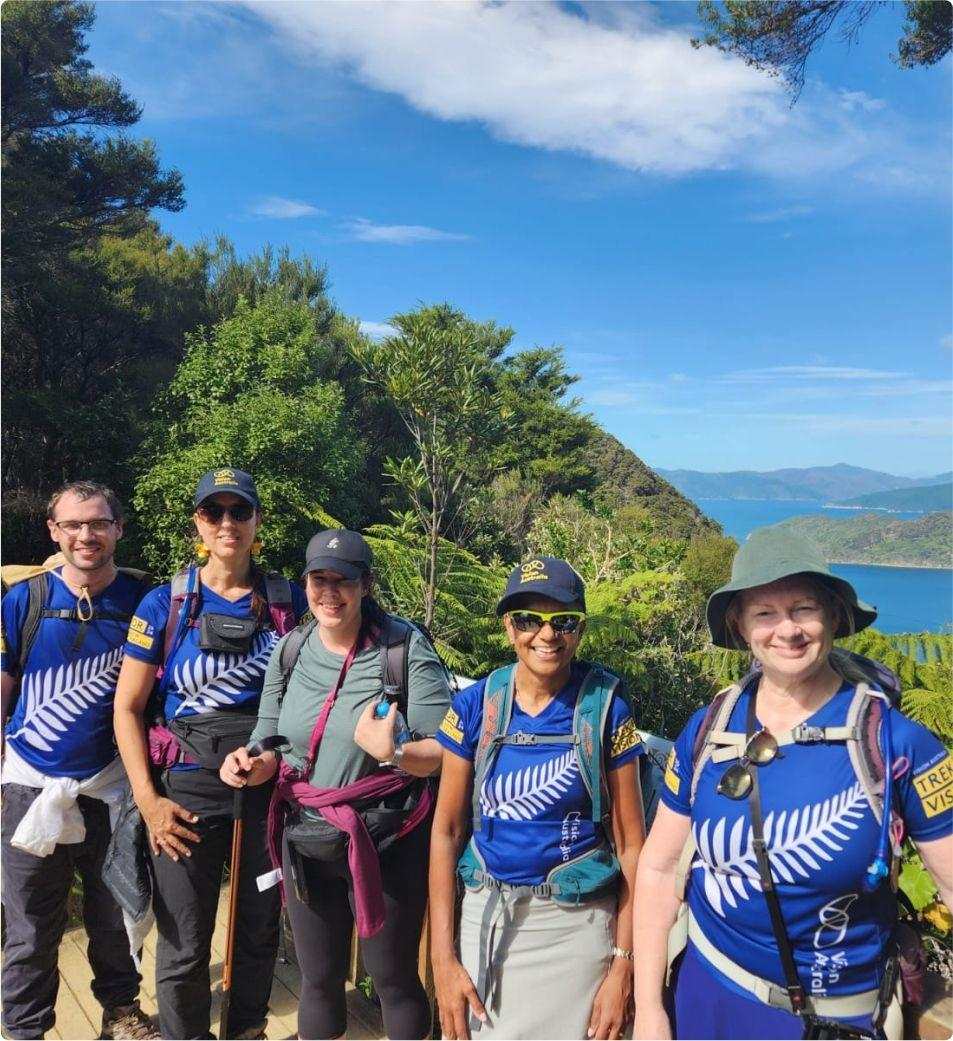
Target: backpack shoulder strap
<point>37,589</point>
<point>395,639</point>
<point>588,723</point>
<point>280,604</point>
<point>864,718</point>
<point>497,709</point>
<point>183,587</point>
<point>290,653</point>
<point>716,718</point>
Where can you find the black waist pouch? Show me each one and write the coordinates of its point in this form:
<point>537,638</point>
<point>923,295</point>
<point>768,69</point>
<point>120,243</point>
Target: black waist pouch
<point>210,736</point>
<point>225,632</point>
<point>311,836</point>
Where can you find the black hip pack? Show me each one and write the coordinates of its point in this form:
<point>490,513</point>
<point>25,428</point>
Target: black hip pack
<point>314,838</point>
<point>209,737</point>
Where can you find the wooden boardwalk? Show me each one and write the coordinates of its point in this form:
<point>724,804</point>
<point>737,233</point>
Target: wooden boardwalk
<point>79,1016</point>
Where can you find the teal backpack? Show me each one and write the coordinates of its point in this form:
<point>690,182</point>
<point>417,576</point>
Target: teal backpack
<point>591,873</point>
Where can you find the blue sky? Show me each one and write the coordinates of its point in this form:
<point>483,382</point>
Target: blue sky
<point>741,284</point>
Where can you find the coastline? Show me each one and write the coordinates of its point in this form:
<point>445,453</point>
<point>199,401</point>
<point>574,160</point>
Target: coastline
<point>878,563</point>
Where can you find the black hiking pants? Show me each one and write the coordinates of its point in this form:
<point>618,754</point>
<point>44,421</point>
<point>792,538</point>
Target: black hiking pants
<point>186,899</point>
<point>322,937</point>
<point>35,892</point>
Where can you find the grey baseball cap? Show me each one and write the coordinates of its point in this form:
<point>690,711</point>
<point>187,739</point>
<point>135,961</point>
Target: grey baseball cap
<point>340,550</point>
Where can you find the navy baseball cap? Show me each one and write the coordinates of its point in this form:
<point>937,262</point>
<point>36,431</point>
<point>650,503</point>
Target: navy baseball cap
<point>338,550</point>
<point>227,479</point>
<point>544,576</point>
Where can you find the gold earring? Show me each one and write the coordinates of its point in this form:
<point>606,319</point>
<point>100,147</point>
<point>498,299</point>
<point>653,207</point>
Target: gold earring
<point>256,547</point>
<point>201,550</point>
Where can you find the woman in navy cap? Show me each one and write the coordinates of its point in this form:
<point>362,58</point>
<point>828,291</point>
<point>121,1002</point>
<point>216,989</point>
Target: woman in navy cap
<point>207,635</point>
<point>540,760</point>
<point>358,694</point>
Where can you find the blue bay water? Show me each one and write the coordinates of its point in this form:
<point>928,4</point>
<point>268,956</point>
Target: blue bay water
<point>907,599</point>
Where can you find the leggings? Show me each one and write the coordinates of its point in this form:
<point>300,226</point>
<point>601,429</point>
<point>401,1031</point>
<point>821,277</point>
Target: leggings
<point>322,934</point>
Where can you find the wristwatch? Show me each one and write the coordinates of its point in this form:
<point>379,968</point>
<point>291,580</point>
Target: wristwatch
<point>395,759</point>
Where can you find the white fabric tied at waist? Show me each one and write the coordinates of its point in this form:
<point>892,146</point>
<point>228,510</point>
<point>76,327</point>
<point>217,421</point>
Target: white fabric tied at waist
<point>54,817</point>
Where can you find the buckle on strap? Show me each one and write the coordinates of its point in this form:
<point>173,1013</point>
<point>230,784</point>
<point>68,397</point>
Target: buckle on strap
<point>805,735</point>
<point>520,738</point>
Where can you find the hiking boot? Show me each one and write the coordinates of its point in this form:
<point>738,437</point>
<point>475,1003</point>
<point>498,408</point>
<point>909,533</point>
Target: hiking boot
<point>127,1022</point>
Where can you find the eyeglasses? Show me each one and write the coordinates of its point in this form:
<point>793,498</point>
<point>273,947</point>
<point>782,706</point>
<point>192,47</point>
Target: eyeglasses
<point>213,512</point>
<point>737,780</point>
<point>99,526</point>
<point>562,622</point>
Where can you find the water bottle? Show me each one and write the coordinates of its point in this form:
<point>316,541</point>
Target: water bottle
<point>401,731</point>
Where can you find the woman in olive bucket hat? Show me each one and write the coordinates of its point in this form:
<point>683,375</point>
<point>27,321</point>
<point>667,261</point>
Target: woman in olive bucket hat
<point>794,757</point>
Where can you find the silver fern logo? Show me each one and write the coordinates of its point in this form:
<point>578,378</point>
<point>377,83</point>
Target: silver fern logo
<point>214,681</point>
<point>797,843</point>
<point>55,698</point>
<point>525,794</point>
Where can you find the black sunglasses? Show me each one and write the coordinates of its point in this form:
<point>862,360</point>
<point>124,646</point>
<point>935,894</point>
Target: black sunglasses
<point>213,512</point>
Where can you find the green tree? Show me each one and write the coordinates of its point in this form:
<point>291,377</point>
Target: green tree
<point>248,393</point>
<point>780,35</point>
<point>436,371</point>
<point>63,184</point>
<point>82,363</point>
<point>707,564</point>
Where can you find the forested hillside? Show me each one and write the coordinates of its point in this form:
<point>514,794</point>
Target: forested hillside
<point>875,538</point>
<point>931,497</point>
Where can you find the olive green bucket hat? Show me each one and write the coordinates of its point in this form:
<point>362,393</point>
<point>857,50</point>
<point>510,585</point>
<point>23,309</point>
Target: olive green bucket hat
<point>770,554</point>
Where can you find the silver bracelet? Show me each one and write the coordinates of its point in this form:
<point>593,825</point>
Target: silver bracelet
<point>621,952</point>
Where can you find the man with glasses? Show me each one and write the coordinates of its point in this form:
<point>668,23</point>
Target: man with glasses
<point>61,653</point>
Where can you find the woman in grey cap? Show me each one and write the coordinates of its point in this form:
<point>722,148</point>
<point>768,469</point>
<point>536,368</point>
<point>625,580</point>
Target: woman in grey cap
<point>540,758</point>
<point>357,694</point>
<point>773,816</point>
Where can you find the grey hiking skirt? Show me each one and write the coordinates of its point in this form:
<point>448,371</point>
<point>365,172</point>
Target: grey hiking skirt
<point>540,965</point>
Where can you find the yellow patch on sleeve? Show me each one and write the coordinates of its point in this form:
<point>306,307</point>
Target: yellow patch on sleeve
<point>140,625</point>
<point>672,780</point>
<point>451,726</point>
<point>626,737</point>
<point>3,643</point>
<point>935,787</point>
<point>140,639</point>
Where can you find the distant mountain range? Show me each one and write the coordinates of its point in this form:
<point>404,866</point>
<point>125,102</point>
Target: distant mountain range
<point>872,538</point>
<point>931,497</point>
<point>812,484</point>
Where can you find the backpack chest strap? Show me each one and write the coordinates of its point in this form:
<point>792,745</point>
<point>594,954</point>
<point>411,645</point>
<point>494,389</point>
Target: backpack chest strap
<point>727,745</point>
<point>70,614</point>
<point>521,738</point>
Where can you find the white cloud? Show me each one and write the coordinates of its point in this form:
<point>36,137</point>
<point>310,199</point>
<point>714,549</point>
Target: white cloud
<point>398,234</point>
<point>612,84</point>
<point>947,341</point>
<point>284,209</point>
<point>777,373</point>
<point>783,214</point>
<point>377,330</point>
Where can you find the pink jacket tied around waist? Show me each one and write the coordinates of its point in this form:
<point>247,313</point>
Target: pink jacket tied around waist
<point>335,806</point>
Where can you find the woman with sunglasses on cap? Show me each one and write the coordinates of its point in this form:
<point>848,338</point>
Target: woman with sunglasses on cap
<point>355,693</point>
<point>541,758</point>
<point>207,636</point>
<point>773,808</point>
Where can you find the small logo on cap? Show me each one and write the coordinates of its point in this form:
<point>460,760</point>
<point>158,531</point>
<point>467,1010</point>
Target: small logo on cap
<point>224,477</point>
<point>334,543</point>
<point>532,571</point>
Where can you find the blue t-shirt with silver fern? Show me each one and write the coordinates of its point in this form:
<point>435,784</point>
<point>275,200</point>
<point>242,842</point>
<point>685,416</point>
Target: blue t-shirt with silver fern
<point>535,808</point>
<point>63,721</point>
<point>821,835</point>
<point>196,681</point>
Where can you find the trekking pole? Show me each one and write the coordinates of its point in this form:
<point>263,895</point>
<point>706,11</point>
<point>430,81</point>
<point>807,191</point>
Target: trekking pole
<point>238,818</point>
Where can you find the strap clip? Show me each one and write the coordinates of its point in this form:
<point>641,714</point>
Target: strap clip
<point>805,735</point>
<point>519,738</point>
